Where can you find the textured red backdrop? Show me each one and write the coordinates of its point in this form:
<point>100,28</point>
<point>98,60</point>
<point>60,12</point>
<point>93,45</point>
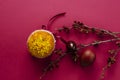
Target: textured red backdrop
<point>18,18</point>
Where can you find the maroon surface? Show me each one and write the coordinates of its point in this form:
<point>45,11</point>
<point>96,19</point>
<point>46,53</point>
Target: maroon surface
<point>18,18</point>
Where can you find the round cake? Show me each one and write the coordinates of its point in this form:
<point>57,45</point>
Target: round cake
<point>41,43</point>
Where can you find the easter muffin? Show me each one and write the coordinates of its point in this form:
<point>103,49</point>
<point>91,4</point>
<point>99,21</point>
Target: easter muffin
<point>41,43</point>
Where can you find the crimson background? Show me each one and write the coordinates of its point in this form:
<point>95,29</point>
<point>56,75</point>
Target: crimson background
<point>18,18</point>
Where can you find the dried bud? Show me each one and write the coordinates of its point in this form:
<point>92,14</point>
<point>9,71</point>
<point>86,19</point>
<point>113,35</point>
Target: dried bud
<point>109,65</point>
<point>75,57</point>
<point>80,23</point>
<point>60,29</point>
<point>96,43</point>
<point>93,30</point>
<point>77,25</point>
<point>111,60</point>
<point>75,21</point>
<point>118,43</point>
<point>43,27</point>
<point>85,29</point>
<point>66,29</point>
<point>101,33</point>
<point>111,51</point>
<point>59,51</point>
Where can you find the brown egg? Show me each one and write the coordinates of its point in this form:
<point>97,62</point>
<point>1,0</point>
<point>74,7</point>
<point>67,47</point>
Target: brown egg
<point>87,57</point>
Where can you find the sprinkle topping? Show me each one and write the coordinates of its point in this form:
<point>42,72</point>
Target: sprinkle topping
<point>41,43</point>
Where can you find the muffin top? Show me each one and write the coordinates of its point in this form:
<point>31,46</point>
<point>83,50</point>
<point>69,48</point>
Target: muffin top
<point>41,43</point>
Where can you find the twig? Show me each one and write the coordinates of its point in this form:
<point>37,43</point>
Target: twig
<point>106,31</point>
<point>86,29</point>
<point>116,32</point>
<point>111,60</point>
<point>98,42</point>
<point>52,64</point>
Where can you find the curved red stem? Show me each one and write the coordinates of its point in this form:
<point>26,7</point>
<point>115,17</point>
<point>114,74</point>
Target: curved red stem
<point>54,18</point>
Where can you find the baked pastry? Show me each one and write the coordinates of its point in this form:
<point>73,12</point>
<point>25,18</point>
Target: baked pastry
<point>41,43</point>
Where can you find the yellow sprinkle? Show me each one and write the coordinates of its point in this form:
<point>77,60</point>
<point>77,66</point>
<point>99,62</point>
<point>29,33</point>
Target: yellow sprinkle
<point>41,43</point>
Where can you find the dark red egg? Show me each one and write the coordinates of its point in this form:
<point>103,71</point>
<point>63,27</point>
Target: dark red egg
<point>71,46</point>
<point>87,57</point>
